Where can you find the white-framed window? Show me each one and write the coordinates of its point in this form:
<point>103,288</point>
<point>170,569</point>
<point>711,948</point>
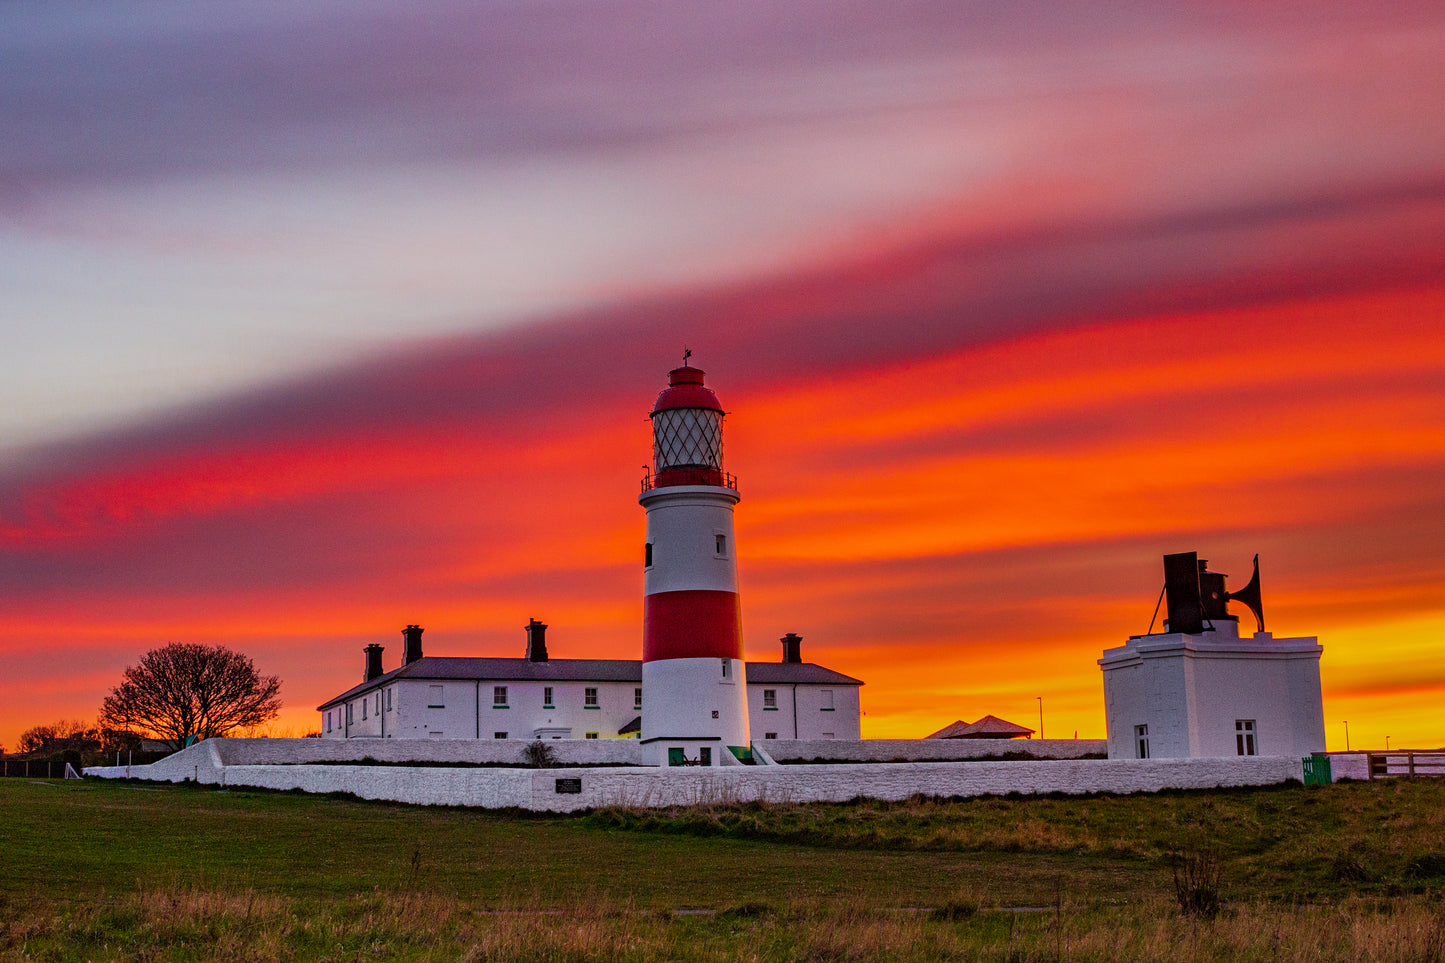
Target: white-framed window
<point>589,697</point>
<point>825,699</point>
<point>363,709</point>
<point>499,696</point>
<point>388,700</point>
<point>1244,737</point>
<point>726,668</point>
<point>434,697</point>
<point>350,715</point>
<point>637,698</point>
<point>720,544</point>
<point>1141,741</point>
<point>499,735</point>
<point>770,698</point>
<point>546,697</point>
<point>378,703</point>
<point>591,735</point>
<point>328,720</point>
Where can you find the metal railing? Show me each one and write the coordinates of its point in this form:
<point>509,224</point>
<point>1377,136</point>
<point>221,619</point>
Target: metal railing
<point>668,477</point>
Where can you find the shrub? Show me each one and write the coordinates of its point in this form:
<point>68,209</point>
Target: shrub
<point>1197,874</point>
<point>539,755</point>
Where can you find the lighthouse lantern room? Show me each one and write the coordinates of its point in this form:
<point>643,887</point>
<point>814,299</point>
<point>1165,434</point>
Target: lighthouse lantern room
<point>694,709</point>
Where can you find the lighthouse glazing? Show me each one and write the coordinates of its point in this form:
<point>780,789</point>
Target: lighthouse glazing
<point>694,688</point>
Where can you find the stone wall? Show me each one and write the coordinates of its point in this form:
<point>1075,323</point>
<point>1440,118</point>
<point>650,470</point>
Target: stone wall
<point>593,752</point>
<point>924,750</point>
<point>648,787</point>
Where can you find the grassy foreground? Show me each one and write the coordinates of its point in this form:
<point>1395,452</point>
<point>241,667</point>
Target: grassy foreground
<point>99,871</point>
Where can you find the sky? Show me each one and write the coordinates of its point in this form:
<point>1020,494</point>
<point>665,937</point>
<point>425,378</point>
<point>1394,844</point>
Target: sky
<point>320,320</point>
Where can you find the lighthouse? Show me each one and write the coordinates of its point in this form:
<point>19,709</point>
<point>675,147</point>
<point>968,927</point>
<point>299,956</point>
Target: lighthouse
<point>694,688</point>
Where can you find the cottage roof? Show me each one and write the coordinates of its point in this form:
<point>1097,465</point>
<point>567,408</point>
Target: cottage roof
<point>479,669</point>
<point>989,727</point>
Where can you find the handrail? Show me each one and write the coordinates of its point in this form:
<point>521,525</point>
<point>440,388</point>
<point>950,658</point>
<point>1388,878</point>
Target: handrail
<point>684,475</point>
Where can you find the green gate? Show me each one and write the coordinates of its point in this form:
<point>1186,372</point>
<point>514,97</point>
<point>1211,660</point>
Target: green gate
<point>1317,771</point>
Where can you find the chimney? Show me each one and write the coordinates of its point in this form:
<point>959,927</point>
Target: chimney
<point>373,662</point>
<point>792,648</point>
<point>412,652</point>
<point>536,641</point>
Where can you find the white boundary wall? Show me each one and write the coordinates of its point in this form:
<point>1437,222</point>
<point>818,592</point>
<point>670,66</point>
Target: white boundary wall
<point>595,752</point>
<point>537,789</point>
<point>923,750</point>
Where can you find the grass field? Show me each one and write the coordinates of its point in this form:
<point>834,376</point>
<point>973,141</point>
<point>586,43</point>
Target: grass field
<point>106,871</point>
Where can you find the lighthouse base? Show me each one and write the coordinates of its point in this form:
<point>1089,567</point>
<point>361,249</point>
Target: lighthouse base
<point>694,711</point>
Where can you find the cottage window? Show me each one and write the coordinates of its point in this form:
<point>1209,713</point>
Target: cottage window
<point>1141,739</point>
<point>499,735</point>
<point>434,697</point>
<point>546,697</point>
<point>1244,737</point>
<point>328,720</point>
<point>704,756</point>
<point>825,696</point>
<point>637,698</point>
<point>388,700</point>
<point>770,735</point>
<point>350,715</point>
<point>589,697</point>
<point>363,709</point>
<point>499,697</point>
<point>591,735</point>
<point>770,698</point>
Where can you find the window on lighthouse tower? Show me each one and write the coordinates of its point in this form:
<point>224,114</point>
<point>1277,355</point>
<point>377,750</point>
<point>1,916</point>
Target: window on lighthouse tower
<point>721,545</point>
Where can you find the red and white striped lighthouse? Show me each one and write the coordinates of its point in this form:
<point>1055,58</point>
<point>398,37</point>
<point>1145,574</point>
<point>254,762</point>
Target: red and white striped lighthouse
<point>694,689</point>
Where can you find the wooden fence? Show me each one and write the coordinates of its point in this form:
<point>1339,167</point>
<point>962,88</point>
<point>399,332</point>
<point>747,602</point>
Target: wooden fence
<point>1407,763</point>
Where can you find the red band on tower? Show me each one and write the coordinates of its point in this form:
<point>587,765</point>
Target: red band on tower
<point>691,625</point>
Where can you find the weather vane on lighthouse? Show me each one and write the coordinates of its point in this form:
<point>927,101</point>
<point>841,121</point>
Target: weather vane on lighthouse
<point>686,353</point>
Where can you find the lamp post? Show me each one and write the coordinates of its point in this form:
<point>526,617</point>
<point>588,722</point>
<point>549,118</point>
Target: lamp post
<point>1347,734</point>
<point>1041,715</point>
<point>1387,743</point>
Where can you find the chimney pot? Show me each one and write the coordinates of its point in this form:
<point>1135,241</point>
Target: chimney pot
<point>792,648</point>
<point>373,662</point>
<point>412,641</point>
<point>536,641</point>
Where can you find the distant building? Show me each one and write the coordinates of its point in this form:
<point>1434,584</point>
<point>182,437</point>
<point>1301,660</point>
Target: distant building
<point>1201,690</point>
<point>535,697</point>
<point>989,727</point>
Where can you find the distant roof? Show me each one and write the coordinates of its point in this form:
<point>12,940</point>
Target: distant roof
<point>576,670</point>
<point>989,727</point>
<point>634,726</point>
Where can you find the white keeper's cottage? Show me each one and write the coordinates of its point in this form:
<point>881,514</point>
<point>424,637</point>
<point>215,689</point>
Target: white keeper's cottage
<point>535,697</point>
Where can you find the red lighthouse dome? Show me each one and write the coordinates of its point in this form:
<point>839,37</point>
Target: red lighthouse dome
<point>687,433</point>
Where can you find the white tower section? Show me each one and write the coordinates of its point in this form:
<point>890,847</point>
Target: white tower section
<point>694,688</point>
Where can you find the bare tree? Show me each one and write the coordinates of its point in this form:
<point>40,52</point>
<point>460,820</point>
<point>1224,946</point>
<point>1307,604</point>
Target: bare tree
<point>60,736</point>
<point>184,689</point>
